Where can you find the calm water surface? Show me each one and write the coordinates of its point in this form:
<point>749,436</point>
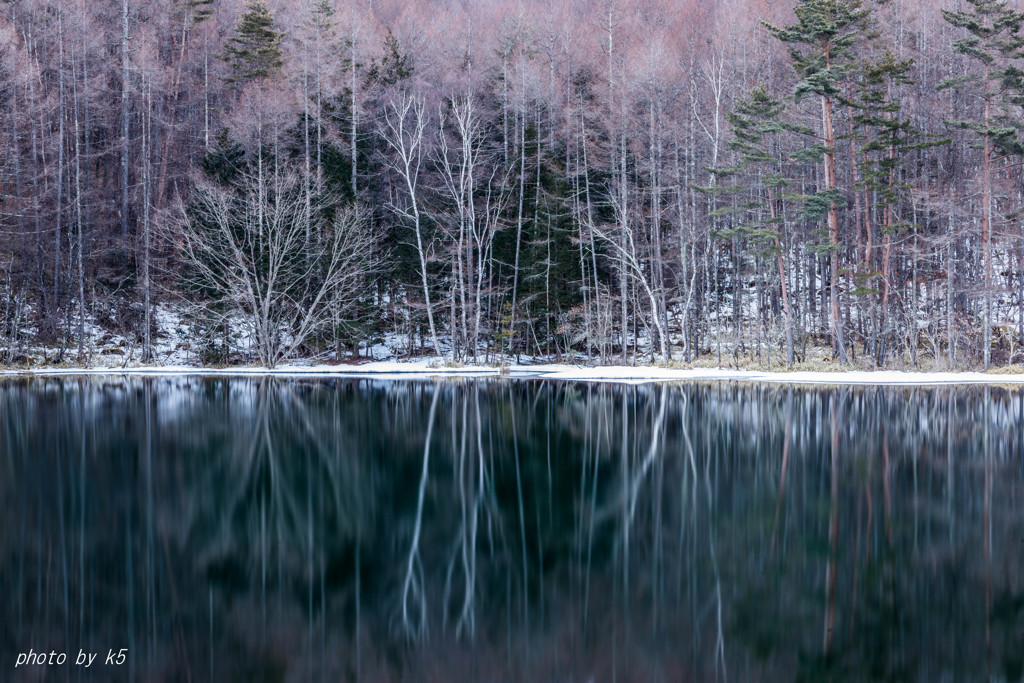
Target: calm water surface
<point>329,530</point>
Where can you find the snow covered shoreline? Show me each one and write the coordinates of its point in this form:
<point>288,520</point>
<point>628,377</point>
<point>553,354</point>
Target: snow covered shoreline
<point>413,370</point>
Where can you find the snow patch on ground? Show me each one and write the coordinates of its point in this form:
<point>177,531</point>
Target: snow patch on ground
<point>112,354</point>
<point>425,369</point>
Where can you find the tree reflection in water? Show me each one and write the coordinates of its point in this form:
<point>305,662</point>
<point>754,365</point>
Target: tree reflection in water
<point>308,530</point>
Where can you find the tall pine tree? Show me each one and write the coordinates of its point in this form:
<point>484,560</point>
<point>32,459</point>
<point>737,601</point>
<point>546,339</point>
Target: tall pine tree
<point>759,126</point>
<point>992,42</point>
<point>886,137</point>
<point>821,46</point>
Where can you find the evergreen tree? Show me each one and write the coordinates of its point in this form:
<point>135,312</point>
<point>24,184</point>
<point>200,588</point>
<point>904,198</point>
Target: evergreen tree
<point>393,67</point>
<point>758,126</point>
<point>201,10</point>
<point>993,40</point>
<point>225,160</point>
<point>323,10</point>
<point>887,138</point>
<point>254,52</point>
<point>821,45</point>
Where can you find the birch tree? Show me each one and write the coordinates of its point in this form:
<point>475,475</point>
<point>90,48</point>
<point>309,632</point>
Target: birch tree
<point>403,128</point>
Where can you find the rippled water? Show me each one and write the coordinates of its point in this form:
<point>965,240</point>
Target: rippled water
<point>322,530</point>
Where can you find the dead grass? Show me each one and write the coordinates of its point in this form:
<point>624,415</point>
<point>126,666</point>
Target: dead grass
<point>813,364</point>
<point>1007,370</point>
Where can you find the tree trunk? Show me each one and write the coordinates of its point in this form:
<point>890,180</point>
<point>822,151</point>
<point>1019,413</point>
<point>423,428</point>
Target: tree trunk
<point>838,345</point>
<point>124,123</point>
<point>147,122</point>
<point>986,226</point>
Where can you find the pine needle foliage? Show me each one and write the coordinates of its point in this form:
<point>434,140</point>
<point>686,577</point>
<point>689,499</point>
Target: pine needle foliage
<point>254,52</point>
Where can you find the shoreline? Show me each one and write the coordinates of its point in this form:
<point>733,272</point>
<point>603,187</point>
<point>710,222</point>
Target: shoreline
<point>414,370</point>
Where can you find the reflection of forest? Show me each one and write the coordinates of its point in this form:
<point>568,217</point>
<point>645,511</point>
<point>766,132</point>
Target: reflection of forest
<point>315,530</point>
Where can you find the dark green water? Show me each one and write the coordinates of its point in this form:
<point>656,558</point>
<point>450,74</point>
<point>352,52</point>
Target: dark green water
<point>322,530</point>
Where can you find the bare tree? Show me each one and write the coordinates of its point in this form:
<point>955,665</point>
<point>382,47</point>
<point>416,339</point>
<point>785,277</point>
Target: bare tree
<point>403,130</point>
<point>477,191</point>
<point>245,249</point>
<point>624,241</point>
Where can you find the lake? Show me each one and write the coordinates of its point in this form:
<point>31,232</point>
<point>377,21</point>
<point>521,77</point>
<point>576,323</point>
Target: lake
<point>484,530</point>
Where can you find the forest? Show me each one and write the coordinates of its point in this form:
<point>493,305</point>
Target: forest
<point>733,182</point>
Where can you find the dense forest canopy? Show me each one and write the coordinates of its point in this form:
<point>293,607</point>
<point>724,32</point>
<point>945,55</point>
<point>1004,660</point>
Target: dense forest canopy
<point>606,180</point>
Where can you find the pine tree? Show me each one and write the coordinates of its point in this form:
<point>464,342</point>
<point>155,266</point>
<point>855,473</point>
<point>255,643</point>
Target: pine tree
<point>201,10</point>
<point>887,137</point>
<point>225,161</point>
<point>254,52</point>
<point>821,45</point>
<point>393,67</point>
<point>758,126</point>
<point>993,40</point>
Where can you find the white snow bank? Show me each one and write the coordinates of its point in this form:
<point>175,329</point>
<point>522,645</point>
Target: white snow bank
<point>620,374</point>
<point>653,374</point>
